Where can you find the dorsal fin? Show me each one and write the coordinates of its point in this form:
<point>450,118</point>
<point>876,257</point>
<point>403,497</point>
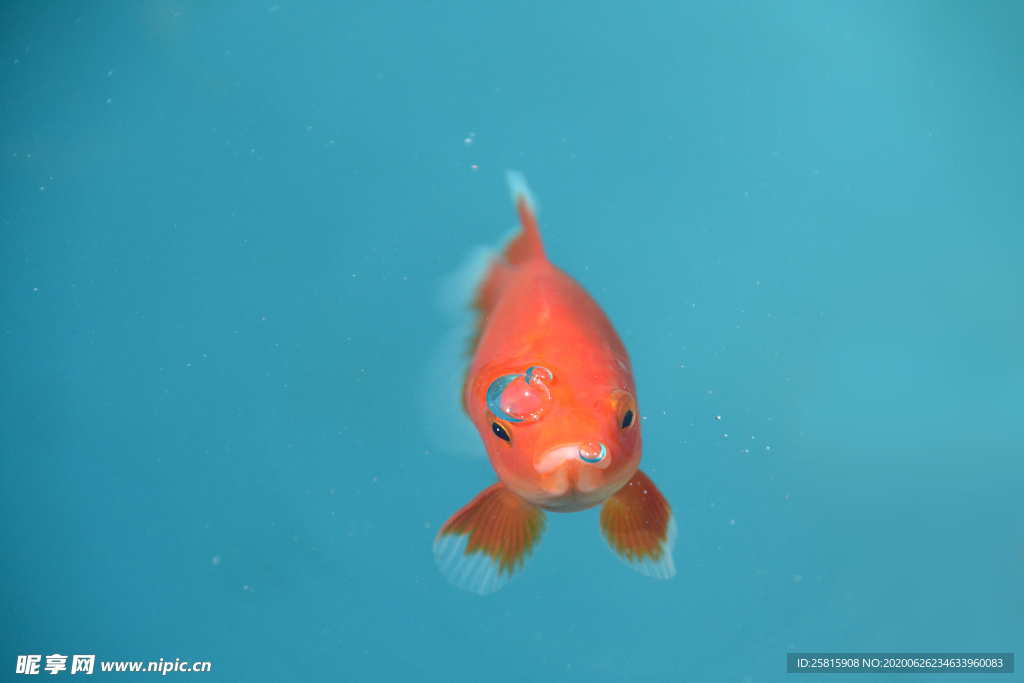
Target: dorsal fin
<point>526,244</point>
<point>523,246</point>
<point>475,289</point>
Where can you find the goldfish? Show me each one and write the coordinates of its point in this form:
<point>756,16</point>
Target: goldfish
<point>550,390</point>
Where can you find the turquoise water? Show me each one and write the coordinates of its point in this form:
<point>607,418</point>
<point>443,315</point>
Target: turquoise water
<point>223,230</point>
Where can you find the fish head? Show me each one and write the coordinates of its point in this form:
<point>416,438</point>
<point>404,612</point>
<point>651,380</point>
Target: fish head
<point>564,442</point>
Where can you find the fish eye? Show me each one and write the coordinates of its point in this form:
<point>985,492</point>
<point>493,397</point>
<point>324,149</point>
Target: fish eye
<point>499,431</point>
<point>625,409</point>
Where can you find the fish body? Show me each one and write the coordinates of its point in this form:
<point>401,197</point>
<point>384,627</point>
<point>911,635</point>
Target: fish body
<point>550,389</point>
<point>543,317</point>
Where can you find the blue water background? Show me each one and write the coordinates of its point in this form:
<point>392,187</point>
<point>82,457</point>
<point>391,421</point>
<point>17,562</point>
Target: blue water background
<point>222,226</point>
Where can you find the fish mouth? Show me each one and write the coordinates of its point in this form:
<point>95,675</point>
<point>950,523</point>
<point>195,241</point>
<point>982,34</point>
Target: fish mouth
<point>588,453</point>
<point>573,468</point>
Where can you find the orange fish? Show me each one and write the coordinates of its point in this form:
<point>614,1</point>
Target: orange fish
<point>550,390</point>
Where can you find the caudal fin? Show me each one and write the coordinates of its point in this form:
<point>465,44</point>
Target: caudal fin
<point>639,526</point>
<point>446,424</point>
<point>485,545</point>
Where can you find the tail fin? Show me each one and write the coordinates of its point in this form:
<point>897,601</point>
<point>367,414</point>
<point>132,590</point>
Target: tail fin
<point>445,422</point>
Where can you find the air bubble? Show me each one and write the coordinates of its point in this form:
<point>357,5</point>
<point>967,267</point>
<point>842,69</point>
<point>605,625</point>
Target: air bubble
<point>538,374</point>
<point>518,397</point>
<point>593,451</point>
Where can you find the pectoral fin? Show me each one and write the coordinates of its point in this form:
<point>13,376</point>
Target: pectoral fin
<point>485,545</point>
<point>639,526</point>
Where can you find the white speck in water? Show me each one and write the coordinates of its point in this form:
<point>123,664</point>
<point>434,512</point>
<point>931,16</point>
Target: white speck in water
<point>797,577</point>
<point>216,560</point>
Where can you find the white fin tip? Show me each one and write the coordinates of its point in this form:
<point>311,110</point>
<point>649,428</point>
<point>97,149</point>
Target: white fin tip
<point>518,187</point>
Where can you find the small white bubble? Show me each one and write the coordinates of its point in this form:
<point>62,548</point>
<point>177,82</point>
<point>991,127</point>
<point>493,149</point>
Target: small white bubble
<point>797,577</point>
<point>216,560</point>
<point>732,522</point>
